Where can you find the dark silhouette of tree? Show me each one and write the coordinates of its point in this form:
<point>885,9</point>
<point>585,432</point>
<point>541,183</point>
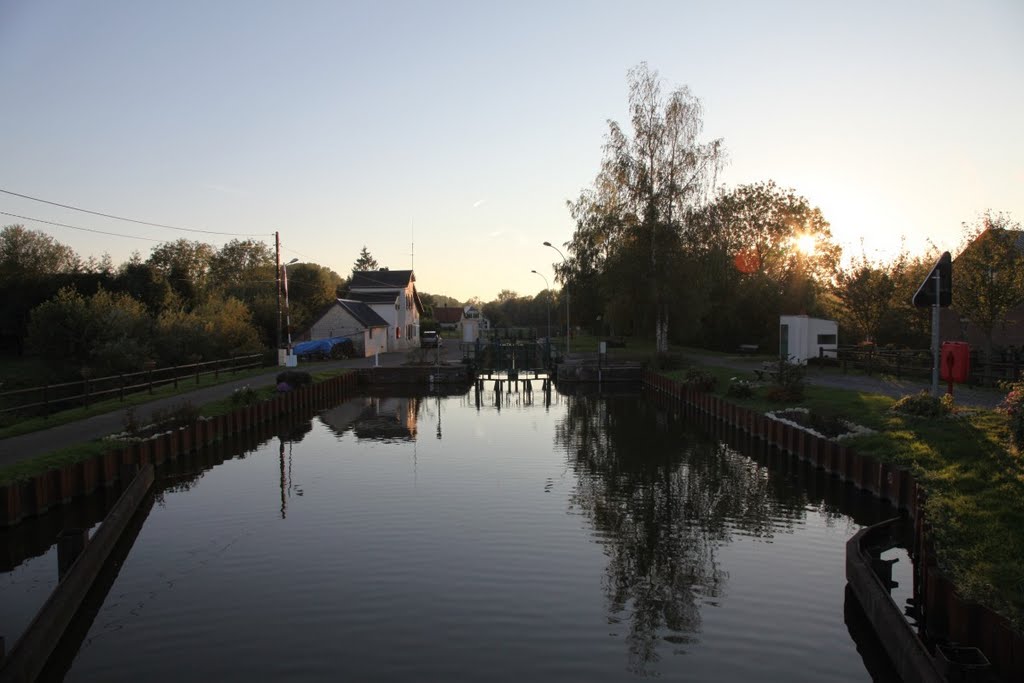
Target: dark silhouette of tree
<point>629,226</point>
<point>365,261</point>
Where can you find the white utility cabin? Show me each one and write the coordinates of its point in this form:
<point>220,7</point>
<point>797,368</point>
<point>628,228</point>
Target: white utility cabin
<point>802,337</point>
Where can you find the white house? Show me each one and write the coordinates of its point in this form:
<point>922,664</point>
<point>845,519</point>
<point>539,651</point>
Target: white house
<point>355,320</point>
<point>391,294</point>
<point>801,337</point>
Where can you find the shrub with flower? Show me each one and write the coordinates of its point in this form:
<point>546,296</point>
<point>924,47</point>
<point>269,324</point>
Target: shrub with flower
<point>1013,406</point>
<point>739,388</point>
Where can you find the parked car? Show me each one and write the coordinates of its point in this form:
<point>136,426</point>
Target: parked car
<point>430,340</point>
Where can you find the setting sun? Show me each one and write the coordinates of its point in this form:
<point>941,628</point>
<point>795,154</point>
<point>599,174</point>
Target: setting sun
<point>805,244</point>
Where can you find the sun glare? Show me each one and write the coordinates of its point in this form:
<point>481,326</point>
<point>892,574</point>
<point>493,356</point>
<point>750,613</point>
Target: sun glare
<point>805,244</point>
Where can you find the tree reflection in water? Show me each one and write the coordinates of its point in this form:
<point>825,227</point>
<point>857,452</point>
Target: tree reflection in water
<point>662,500</point>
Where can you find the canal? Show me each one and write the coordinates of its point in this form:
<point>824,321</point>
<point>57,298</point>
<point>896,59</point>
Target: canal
<point>485,536</point>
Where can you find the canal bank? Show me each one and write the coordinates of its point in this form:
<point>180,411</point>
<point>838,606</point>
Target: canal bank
<point>946,617</point>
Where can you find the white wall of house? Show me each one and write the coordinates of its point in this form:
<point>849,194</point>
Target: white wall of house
<point>375,340</point>
<point>338,322</point>
<point>802,337</point>
<point>403,320</point>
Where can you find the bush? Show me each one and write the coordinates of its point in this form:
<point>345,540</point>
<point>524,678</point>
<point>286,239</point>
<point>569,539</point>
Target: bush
<point>245,396</point>
<point>699,379</point>
<point>789,382</point>
<point>182,415</point>
<point>1013,407</point>
<point>923,404</point>
<point>739,388</point>
<point>294,378</point>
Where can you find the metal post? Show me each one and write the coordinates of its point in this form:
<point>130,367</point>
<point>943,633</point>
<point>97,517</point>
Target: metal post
<point>935,335</point>
<point>277,261</point>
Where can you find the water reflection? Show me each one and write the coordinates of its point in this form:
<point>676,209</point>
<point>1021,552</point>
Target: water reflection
<point>664,498</point>
<point>375,418</point>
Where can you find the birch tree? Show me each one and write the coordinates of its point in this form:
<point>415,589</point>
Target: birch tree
<point>631,222</point>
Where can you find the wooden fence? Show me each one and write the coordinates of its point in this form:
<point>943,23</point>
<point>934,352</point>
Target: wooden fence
<point>48,398</point>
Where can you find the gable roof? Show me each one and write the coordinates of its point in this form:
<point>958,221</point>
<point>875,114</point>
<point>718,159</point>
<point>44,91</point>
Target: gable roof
<point>447,314</point>
<point>374,297</point>
<point>362,313</point>
<point>381,279</point>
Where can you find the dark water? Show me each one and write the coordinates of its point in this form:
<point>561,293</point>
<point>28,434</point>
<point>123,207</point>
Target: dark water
<point>400,539</point>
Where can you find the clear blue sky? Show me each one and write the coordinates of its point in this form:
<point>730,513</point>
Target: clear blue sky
<point>469,124</point>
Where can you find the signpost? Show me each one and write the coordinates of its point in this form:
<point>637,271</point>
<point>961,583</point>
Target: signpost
<point>936,291</point>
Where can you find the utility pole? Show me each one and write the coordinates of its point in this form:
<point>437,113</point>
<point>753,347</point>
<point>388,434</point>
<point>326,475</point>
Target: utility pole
<point>277,276</point>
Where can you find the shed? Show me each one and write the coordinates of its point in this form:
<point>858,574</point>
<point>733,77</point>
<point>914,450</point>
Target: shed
<point>802,337</point>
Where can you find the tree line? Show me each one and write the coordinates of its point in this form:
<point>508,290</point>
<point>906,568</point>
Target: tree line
<point>186,302</point>
<point>658,251</point>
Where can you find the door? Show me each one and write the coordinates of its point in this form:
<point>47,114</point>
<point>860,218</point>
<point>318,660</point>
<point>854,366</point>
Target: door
<point>784,342</point>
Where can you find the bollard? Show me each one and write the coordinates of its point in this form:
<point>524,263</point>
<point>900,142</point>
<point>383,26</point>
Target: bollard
<point>70,544</point>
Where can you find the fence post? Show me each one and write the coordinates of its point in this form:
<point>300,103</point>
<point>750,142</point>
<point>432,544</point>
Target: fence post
<point>197,373</point>
<point>46,400</point>
<point>120,394</point>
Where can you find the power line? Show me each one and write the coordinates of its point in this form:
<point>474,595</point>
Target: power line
<point>130,220</point>
<point>75,227</point>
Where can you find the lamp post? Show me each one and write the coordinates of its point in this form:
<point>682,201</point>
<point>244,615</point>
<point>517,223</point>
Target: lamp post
<point>567,327</point>
<point>287,307</point>
<point>547,345</point>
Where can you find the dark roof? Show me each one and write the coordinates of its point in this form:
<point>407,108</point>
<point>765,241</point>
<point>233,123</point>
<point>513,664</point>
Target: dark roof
<point>363,313</point>
<point>447,314</point>
<point>381,279</point>
<point>374,297</point>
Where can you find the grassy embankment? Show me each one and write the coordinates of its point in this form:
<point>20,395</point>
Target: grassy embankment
<point>974,479</point>
<point>65,456</point>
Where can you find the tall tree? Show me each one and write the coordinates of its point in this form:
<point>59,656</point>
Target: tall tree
<point>636,213</point>
<point>988,274</point>
<point>758,251</point>
<point>186,265</point>
<point>242,262</point>
<point>28,253</point>
<point>33,268</point>
<point>365,261</point>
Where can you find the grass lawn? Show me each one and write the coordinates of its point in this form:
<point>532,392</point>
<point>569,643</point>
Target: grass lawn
<point>974,479</point>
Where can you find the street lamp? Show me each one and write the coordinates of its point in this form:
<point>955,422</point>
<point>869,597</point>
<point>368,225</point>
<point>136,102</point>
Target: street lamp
<point>287,307</point>
<point>547,288</point>
<point>567,327</point>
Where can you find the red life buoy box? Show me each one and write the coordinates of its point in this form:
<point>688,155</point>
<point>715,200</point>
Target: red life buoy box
<point>955,361</point>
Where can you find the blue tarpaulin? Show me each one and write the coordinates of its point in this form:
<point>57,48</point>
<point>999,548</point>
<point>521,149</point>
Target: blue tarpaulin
<point>318,346</point>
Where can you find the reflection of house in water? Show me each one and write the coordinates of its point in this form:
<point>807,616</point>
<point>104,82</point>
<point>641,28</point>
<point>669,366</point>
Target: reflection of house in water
<point>382,419</point>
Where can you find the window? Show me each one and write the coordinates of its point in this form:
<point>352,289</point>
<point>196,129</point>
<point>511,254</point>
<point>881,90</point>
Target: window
<point>826,339</point>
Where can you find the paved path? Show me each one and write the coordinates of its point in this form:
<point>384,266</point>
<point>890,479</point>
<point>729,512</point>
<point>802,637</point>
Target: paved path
<point>25,446</point>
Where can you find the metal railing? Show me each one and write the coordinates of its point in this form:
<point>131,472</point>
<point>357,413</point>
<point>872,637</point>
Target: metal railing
<point>917,363</point>
<point>49,398</point>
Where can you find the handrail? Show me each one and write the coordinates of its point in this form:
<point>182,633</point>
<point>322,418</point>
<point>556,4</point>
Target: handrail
<point>55,396</point>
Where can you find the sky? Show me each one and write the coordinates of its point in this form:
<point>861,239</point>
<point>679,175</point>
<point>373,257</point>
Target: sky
<point>448,136</point>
